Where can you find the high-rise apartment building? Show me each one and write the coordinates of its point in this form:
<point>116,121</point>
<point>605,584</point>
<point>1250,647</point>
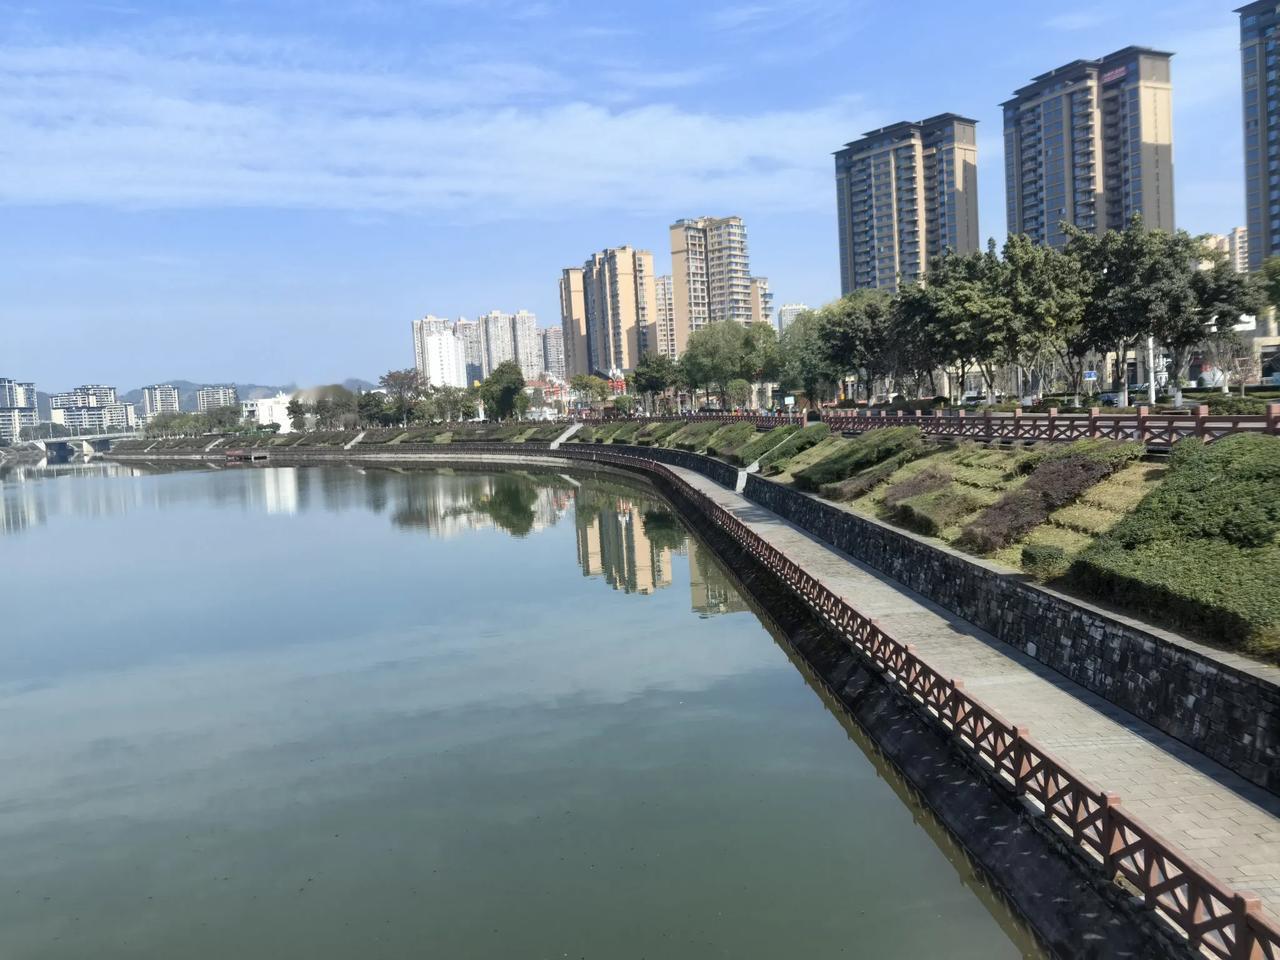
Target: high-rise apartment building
<point>438,353</point>
<point>471,333</point>
<point>527,344</point>
<point>1091,144</point>
<point>89,395</point>
<point>664,326</point>
<point>905,194</point>
<point>499,342</point>
<point>1260,67</point>
<point>18,408</point>
<point>573,322</point>
<point>761,301</point>
<point>710,274</point>
<point>1238,248</point>
<point>207,398</point>
<point>788,312</point>
<point>619,301</point>
<point>162,398</point>
<point>552,339</point>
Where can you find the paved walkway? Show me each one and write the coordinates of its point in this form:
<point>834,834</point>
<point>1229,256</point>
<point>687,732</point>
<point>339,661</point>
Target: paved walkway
<point>1212,815</point>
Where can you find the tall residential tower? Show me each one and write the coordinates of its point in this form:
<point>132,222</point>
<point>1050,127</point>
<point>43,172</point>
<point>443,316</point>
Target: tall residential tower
<point>710,274</point>
<point>1091,144</point>
<point>620,308</point>
<point>905,194</point>
<point>1259,67</point>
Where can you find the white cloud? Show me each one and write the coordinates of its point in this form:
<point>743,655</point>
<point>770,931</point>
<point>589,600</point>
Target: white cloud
<point>229,125</point>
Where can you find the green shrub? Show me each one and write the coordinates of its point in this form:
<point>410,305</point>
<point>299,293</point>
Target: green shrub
<point>1229,404</point>
<point>1044,561</point>
<point>932,512</point>
<point>1059,477</point>
<point>865,450</point>
<point>729,438</point>
<point>695,436</point>
<point>926,481</point>
<point>763,443</point>
<point>798,442</point>
<point>655,433</point>
<point>1202,550</point>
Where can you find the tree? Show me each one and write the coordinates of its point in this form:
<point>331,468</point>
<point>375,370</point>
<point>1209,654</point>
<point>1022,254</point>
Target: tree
<point>501,391</point>
<point>624,404</point>
<point>297,414</point>
<point>403,388</point>
<point>1269,278</point>
<point>654,374</point>
<point>804,362</point>
<point>454,403</point>
<point>221,419</point>
<point>1137,284</point>
<point>739,392</point>
<point>1222,297</point>
<point>1046,290</point>
<point>591,388</point>
<point>371,409</point>
<point>853,331</point>
<point>724,351</point>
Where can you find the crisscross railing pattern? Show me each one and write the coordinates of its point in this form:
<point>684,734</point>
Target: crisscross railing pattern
<point>1216,920</point>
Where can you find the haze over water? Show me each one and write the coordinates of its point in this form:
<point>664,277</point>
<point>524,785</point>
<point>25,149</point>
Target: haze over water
<point>331,713</point>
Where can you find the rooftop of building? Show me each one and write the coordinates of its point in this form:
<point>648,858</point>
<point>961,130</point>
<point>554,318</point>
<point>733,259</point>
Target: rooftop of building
<point>1256,7</point>
<point>905,126</point>
<point>1038,83</point>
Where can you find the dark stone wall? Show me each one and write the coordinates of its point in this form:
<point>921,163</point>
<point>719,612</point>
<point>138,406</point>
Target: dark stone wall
<point>717,470</point>
<point>1225,713</point>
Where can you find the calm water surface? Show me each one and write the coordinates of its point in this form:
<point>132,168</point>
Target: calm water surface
<point>327,712</point>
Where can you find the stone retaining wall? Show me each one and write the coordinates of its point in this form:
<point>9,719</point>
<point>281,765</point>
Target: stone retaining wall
<point>1225,712</point>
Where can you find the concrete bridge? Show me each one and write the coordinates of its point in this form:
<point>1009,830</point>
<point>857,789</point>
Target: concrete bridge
<point>85,445</point>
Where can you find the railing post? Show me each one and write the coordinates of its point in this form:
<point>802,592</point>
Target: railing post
<point>1143,412</point>
<point>1273,418</point>
<point>1017,422</point>
<point>1202,414</point>
<point>1109,802</point>
<point>1093,421</point>
<point>1020,763</point>
<point>1052,423</point>
<point>1243,907</point>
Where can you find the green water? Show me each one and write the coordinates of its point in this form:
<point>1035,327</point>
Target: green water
<point>330,713</point>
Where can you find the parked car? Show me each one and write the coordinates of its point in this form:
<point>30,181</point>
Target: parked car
<point>1108,399</point>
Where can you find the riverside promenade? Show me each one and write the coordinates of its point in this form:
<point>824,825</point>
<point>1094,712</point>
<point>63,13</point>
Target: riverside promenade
<point>1230,827</point>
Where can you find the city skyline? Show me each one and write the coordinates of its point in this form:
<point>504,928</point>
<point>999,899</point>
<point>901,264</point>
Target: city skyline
<point>212,276</point>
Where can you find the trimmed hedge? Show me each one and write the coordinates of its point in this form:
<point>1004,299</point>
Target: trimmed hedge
<point>762,444</point>
<point>1201,551</point>
<point>863,451</point>
<point>798,442</point>
<point>1058,477</point>
<point>1044,561</point>
<point>695,435</point>
<point>729,438</point>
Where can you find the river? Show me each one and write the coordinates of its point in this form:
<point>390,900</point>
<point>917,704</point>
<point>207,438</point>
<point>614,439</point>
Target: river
<point>330,712</point>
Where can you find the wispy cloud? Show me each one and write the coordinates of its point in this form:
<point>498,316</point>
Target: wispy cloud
<point>227,125</point>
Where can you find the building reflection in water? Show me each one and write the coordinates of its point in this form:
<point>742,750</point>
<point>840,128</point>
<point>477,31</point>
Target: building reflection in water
<point>624,537</point>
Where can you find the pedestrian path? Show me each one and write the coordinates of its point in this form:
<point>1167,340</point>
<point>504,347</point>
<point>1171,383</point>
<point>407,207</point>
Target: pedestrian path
<point>1228,825</point>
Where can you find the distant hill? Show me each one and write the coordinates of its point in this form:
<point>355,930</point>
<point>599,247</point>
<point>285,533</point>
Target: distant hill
<point>246,391</point>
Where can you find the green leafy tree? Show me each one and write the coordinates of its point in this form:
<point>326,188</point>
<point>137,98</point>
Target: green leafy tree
<point>222,419</point>
<point>1222,297</point>
<point>854,333</point>
<point>501,391</point>
<point>624,403</point>
<point>1269,278</point>
<point>655,373</point>
<point>738,392</point>
<point>297,411</point>
<point>371,409</point>
<point>454,403</point>
<point>1046,290</point>
<point>724,351</point>
<point>403,389</point>
<point>804,359</point>
<point>591,388</point>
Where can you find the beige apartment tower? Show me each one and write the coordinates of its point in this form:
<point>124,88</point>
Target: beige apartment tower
<point>619,296</point>
<point>665,325</point>
<point>906,194</point>
<point>710,274</point>
<point>1091,144</point>
<point>573,321</point>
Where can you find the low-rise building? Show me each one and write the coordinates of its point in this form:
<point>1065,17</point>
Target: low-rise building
<point>92,408</point>
<point>265,411</point>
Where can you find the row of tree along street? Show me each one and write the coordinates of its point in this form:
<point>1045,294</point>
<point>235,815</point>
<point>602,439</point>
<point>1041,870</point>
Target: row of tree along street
<point>1028,315</point>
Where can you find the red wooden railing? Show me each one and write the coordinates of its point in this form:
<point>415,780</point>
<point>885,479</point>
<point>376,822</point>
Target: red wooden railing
<point>1216,920</point>
<point>1156,430</point>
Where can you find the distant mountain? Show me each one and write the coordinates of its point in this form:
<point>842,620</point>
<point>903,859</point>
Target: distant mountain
<point>246,391</point>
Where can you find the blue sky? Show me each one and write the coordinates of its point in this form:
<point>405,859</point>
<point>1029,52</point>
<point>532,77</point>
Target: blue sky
<point>270,190</point>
